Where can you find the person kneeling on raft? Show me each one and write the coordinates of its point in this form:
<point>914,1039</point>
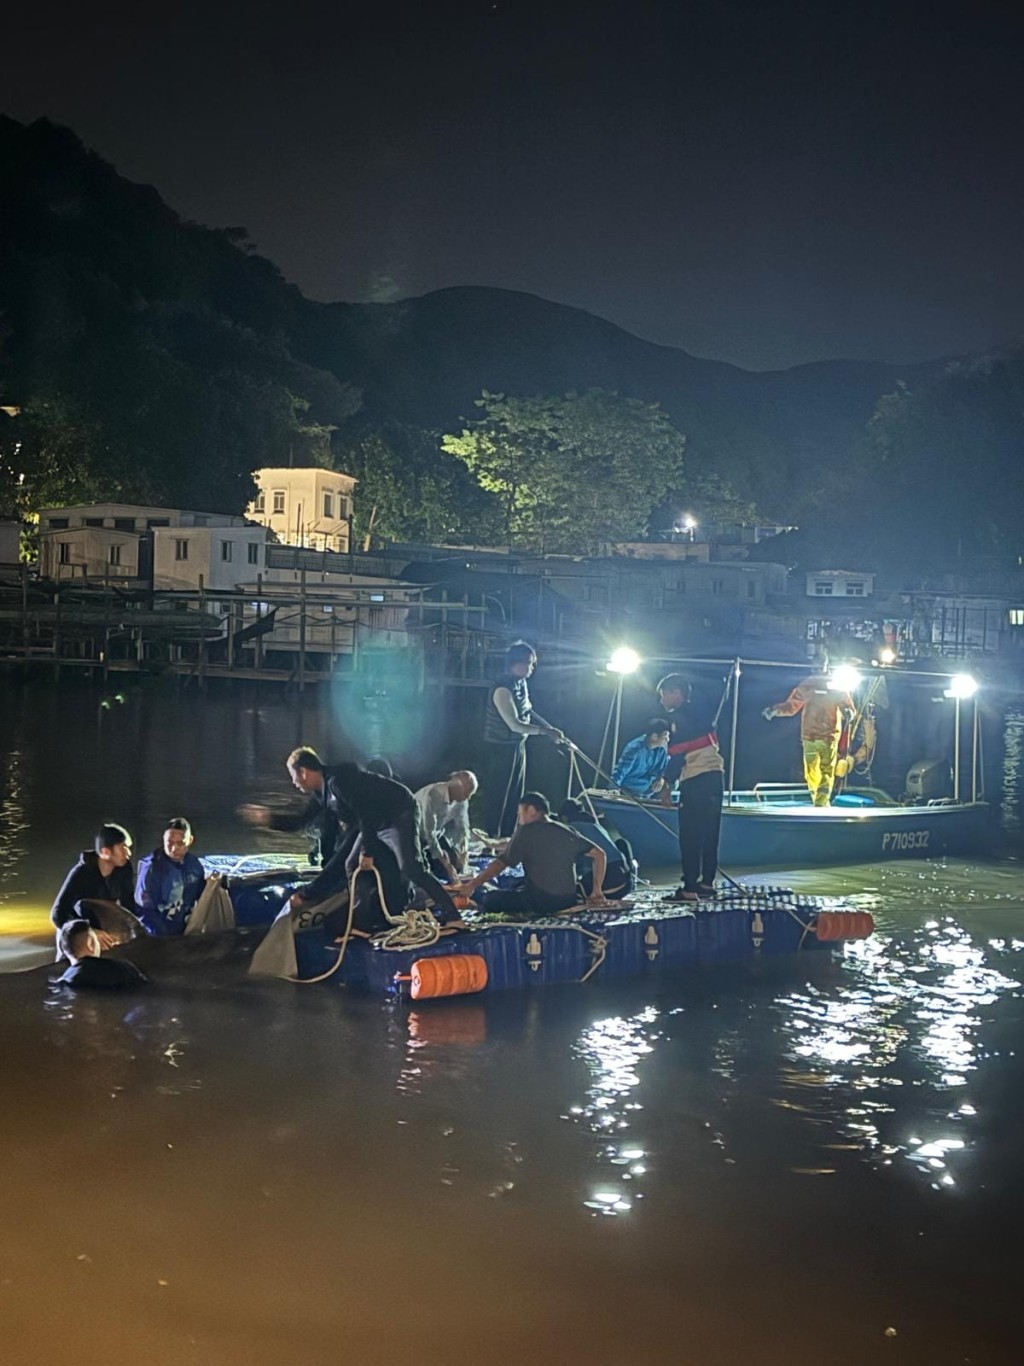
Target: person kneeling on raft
<point>80,944</point>
<point>548,851</point>
<point>619,880</point>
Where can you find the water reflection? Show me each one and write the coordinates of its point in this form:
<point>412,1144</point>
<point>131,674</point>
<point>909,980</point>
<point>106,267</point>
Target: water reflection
<point>909,1015</point>
<point>612,1050</point>
<point>13,825</point>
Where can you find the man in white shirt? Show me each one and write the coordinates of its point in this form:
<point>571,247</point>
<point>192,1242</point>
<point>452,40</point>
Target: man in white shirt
<point>444,821</point>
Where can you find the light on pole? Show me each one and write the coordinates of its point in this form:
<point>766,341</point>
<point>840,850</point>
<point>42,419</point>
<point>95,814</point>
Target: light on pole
<point>624,660</point>
<point>961,688</point>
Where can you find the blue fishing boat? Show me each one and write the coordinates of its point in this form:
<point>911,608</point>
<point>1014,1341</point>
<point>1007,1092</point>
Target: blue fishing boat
<point>775,825</point>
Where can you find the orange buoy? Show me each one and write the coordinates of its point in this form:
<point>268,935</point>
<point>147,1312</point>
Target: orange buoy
<point>461,903</point>
<point>831,926</point>
<point>456,974</point>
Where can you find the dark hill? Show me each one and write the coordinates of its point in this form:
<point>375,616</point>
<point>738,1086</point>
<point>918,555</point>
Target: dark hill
<point>96,271</point>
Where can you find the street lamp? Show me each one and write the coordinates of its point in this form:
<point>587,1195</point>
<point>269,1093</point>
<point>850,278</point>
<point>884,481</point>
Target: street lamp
<point>962,687</point>
<point>688,523</point>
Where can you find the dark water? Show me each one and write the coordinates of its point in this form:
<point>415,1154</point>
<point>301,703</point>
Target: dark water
<point>802,1162</point>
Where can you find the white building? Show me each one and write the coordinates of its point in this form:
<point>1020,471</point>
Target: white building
<point>840,583</point>
<point>170,547</point>
<point>309,507</point>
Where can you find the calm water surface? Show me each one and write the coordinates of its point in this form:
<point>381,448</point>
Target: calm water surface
<point>803,1162</point>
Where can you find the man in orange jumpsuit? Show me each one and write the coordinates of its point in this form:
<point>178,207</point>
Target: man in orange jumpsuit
<point>821,706</point>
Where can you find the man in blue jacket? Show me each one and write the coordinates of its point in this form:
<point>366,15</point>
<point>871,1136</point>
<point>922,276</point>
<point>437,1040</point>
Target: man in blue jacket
<point>643,761</point>
<point>170,882</point>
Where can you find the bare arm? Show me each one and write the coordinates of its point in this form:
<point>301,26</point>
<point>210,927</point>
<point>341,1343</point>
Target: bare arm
<point>492,870</point>
<point>505,707</point>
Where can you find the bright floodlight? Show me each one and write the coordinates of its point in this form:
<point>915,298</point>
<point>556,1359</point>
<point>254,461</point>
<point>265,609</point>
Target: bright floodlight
<point>845,678</point>
<point>887,655</point>
<point>962,686</point>
<point>624,661</point>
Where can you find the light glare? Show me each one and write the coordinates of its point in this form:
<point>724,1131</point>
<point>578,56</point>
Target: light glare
<point>624,660</point>
<point>845,678</point>
<point>962,686</point>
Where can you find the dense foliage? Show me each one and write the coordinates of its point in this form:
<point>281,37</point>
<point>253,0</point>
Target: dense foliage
<point>148,357</point>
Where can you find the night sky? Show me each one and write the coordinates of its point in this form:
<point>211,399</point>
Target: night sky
<point>760,183</point>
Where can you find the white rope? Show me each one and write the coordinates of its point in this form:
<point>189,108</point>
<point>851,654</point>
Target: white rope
<point>410,929</point>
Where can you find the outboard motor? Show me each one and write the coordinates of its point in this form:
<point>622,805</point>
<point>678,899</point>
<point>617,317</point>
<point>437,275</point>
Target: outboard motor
<point>929,778</point>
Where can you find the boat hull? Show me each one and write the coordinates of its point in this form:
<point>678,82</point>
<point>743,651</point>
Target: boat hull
<point>760,835</point>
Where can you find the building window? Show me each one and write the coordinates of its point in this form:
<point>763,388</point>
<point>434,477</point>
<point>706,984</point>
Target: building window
<point>1017,616</point>
<point>823,589</point>
<point>124,523</point>
<point>225,551</point>
<point>94,521</point>
<point>261,502</point>
<point>60,524</point>
<point>115,554</point>
<point>279,500</point>
<point>151,522</point>
<point>717,587</point>
<point>180,549</point>
<point>254,553</point>
<point>64,552</point>
<point>751,589</point>
<point>854,590</point>
<point>329,505</point>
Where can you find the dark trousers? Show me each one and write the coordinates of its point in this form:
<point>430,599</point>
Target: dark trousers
<point>506,783</point>
<point>522,901</point>
<point>396,851</point>
<point>618,881</point>
<point>700,824</point>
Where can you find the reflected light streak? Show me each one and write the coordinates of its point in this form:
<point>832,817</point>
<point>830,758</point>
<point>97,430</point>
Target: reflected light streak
<point>906,1008</point>
<point>612,1050</point>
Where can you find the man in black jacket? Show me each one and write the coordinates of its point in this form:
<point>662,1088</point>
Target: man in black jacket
<point>381,811</point>
<point>101,886</point>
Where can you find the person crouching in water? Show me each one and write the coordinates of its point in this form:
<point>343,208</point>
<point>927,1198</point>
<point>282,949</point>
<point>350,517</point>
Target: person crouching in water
<point>170,882</point>
<point>100,889</point>
<point>619,879</point>
<point>78,942</point>
<point>639,768</point>
<point>695,761</point>
<point>548,852</point>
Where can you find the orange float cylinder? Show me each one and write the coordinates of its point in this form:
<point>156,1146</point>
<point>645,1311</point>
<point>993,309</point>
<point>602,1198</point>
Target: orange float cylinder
<point>831,926</point>
<point>458,974</point>
<point>461,903</point>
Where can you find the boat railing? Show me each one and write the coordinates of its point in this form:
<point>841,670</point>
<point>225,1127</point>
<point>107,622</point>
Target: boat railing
<point>776,792</point>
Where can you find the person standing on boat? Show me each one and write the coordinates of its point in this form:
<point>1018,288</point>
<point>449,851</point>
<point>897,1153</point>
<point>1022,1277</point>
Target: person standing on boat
<point>639,768</point>
<point>694,760</point>
<point>822,709</point>
<point>508,724</point>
